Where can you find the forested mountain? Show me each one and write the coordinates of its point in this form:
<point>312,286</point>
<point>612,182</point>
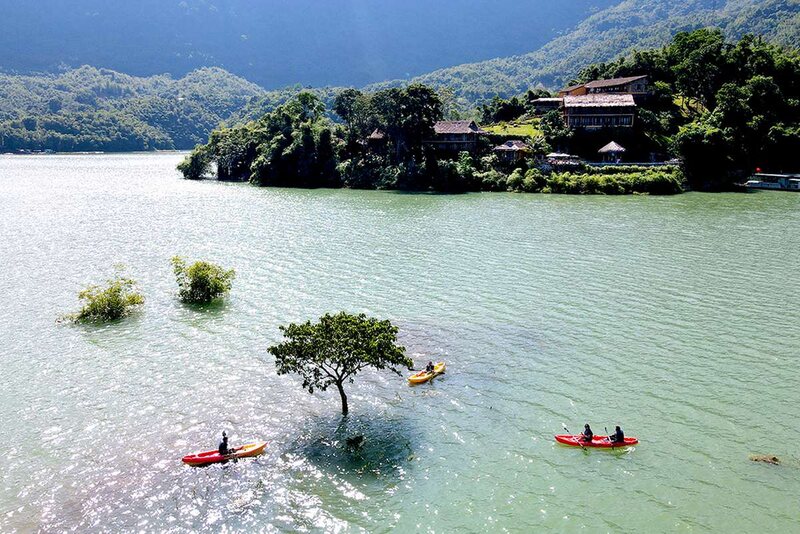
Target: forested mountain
<point>306,42</point>
<point>723,108</point>
<point>613,32</point>
<point>89,109</point>
<point>276,43</point>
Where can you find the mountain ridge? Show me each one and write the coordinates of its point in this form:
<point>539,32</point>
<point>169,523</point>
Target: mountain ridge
<point>611,33</point>
<point>276,43</point>
<point>101,109</point>
<point>88,109</point>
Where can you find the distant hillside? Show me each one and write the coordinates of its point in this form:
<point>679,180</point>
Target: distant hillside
<point>89,109</point>
<point>632,24</point>
<point>99,109</point>
<point>276,43</point>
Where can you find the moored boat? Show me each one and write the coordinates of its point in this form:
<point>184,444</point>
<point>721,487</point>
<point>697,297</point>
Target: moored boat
<point>775,182</point>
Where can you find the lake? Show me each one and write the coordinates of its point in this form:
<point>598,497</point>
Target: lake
<point>676,317</point>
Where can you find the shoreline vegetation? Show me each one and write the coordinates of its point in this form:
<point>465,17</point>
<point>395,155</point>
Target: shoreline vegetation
<point>713,112</point>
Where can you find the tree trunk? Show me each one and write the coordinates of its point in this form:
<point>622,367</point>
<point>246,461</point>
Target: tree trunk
<point>344,398</point>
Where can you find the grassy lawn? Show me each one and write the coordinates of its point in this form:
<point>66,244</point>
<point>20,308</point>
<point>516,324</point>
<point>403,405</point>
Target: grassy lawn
<point>690,107</point>
<point>521,128</point>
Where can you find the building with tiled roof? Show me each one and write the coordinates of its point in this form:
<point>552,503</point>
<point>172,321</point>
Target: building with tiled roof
<point>573,90</point>
<point>638,86</point>
<point>631,85</point>
<point>457,127</point>
<point>513,150</point>
<point>599,111</point>
<point>543,105</point>
<point>455,136</point>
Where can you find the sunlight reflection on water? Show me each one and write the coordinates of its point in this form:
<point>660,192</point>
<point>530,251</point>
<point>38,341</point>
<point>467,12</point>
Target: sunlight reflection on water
<point>548,310</point>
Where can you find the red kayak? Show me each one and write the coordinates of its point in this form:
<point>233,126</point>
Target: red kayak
<point>213,457</point>
<point>601,442</point>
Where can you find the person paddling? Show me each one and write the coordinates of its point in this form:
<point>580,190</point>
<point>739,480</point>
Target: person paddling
<point>223,446</point>
<point>430,367</point>
<point>587,435</point>
<point>618,436</point>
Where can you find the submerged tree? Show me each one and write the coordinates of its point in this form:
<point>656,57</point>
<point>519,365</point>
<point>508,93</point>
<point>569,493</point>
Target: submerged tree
<point>108,303</point>
<point>201,282</point>
<point>335,349</point>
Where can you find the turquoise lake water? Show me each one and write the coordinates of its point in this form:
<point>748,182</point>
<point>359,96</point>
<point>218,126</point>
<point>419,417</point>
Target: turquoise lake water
<point>676,317</point>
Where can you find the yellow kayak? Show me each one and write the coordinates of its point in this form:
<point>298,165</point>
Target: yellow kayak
<point>424,376</point>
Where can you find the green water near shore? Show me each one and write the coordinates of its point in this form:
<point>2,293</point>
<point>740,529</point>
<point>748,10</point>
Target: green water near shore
<point>676,317</point>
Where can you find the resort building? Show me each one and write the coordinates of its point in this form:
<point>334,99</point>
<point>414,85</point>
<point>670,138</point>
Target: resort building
<point>512,151</point>
<point>632,85</point>
<point>573,90</point>
<point>637,86</point>
<point>543,105</point>
<point>456,136</point>
<point>599,111</point>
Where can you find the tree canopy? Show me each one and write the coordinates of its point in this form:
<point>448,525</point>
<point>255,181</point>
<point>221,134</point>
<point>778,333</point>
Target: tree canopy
<point>297,145</point>
<point>332,351</point>
<point>724,107</point>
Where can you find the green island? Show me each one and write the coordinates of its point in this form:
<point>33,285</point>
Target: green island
<point>700,113</point>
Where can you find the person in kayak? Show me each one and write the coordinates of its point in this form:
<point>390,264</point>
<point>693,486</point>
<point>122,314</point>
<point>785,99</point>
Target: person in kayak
<point>618,436</point>
<point>223,446</point>
<point>430,367</point>
<point>587,433</point>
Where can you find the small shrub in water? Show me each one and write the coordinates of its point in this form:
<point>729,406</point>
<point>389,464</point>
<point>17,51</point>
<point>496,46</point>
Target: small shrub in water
<point>109,303</point>
<point>201,282</point>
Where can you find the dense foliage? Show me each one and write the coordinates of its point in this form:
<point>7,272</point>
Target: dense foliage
<point>332,351</point>
<point>379,143</point>
<point>583,180</point>
<point>724,108</point>
<point>201,282</point>
<point>89,109</point>
<point>297,145</point>
<point>650,181</point>
<point>108,303</point>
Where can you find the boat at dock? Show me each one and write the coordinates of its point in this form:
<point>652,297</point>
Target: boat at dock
<point>774,182</point>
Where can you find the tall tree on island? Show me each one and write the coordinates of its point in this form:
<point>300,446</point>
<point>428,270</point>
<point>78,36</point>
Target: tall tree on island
<point>407,117</point>
<point>355,109</point>
<point>332,351</point>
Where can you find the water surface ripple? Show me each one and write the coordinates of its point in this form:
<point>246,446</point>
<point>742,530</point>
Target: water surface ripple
<point>677,317</point>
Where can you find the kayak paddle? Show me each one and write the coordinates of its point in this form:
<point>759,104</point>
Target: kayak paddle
<point>568,432</point>
<point>608,436</point>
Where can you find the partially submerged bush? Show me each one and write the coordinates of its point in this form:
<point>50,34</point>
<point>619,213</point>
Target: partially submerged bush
<point>114,301</point>
<point>202,281</point>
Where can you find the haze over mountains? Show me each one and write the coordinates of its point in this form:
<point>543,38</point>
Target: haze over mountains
<point>275,43</point>
<point>306,43</point>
